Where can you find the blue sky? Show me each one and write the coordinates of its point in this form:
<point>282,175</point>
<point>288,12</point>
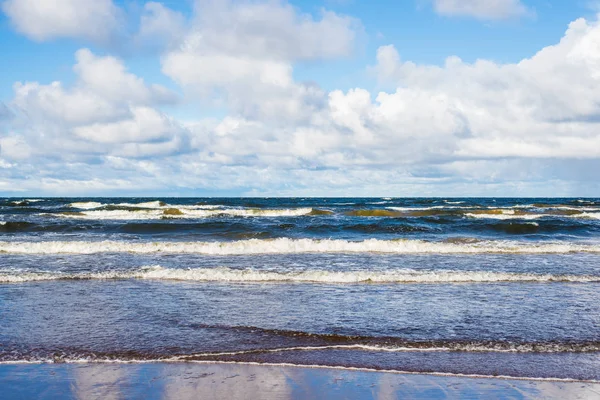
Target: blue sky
<point>270,97</point>
<point>420,34</point>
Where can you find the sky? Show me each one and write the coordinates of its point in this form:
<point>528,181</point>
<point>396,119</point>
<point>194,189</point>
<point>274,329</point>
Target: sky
<point>444,98</point>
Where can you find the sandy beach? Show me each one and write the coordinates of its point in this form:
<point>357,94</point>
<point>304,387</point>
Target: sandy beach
<point>245,381</point>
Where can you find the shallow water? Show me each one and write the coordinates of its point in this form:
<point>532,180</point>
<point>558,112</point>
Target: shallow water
<point>463,286</point>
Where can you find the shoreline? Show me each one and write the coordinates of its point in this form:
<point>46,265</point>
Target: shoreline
<point>291,365</point>
<point>227,380</point>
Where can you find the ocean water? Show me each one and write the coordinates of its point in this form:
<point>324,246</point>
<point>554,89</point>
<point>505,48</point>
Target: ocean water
<point>492,287</point>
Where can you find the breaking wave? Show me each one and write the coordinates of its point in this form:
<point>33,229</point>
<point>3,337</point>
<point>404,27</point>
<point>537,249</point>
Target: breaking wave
<point>291,246</point>
<point>479,347</point>
<point>523,212</point>
<point>140,212</point>
<point>249,275</point>
<point>505,216</point>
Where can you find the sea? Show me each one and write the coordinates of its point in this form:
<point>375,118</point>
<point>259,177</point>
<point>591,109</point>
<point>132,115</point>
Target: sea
<point>502,287</point>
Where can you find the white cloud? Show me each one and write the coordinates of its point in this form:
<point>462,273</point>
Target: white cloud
<point>42,20</point>
<point>146,124</point>
<point>482,128</point>
<point>55,104</point>
<point>104,92</point>
<point>107,111</point>
<point>107,77</point>
<point>269,29</point>
<point>160,26</point>
<point>250,67</point>
<point>14,147</point>
<point>481,9</point>
<point>545,106</point>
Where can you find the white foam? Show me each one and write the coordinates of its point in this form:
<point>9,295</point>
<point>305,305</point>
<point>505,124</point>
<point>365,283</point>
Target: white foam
<point>466,347</point>
<point>186,212</point>
<point>509,212</point>
<point>505,216</point>
<point>589,215</point>
<point>249,275</point>
<point>508,215</point>
<point>87,205</point>
<point>147,204</point>
<point>403,209</point>
<point>19,202</point>
<point>292,246</point>
<point>569,208</point>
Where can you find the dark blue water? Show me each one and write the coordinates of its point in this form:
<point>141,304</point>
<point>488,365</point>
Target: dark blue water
<point>465,286</point>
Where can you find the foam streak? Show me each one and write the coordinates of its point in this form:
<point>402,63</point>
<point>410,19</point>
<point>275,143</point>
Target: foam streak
<point>296,246</point>
<point>249,275</point>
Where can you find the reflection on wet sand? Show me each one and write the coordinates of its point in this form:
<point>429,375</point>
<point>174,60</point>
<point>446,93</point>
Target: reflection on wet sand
<point>194,381</point>
<point>242,381</point>
<point>99,381</point>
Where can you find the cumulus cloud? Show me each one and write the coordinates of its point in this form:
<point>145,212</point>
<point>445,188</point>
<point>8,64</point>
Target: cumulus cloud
<point>545,106</point>
<point>107,111</point>
<point>160,27</point>
<point>104,92</point>
<point>250,67</point>
<point>481,9</point>
<point>461,124</point>
<point>481,128</point>
<point>42,20</point>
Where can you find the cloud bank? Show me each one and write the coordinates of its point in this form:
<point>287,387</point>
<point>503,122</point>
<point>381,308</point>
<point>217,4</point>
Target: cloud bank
<point>482,128</point>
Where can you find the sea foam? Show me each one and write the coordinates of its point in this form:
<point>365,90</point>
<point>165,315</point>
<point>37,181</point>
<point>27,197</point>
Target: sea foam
<point>293,246</point>
<point>250,275</point>
<point>189,212</point>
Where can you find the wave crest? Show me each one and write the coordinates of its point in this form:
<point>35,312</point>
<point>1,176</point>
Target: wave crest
<point>129,212</point>
<point>249,275</point>
<point>294,246</point>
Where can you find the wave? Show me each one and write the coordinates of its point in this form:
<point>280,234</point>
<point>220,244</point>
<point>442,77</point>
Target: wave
<point>249,275</point>
<point>507,216</point>
<point>404,209</point>
<point>15,226</point>
<point>152,210</point>
<point>513,212</point>
<point>471,347</point>
<point>521,228</point>
<point>19,203</point>
<point>87,205</point>
<point>322,342</point>
<point>122,213</point>
<point>590,215</point>
<point>293,246</point>
<point>585,215</point>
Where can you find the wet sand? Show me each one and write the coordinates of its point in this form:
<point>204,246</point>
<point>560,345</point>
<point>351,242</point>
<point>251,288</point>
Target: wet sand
<point>243,381</point>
